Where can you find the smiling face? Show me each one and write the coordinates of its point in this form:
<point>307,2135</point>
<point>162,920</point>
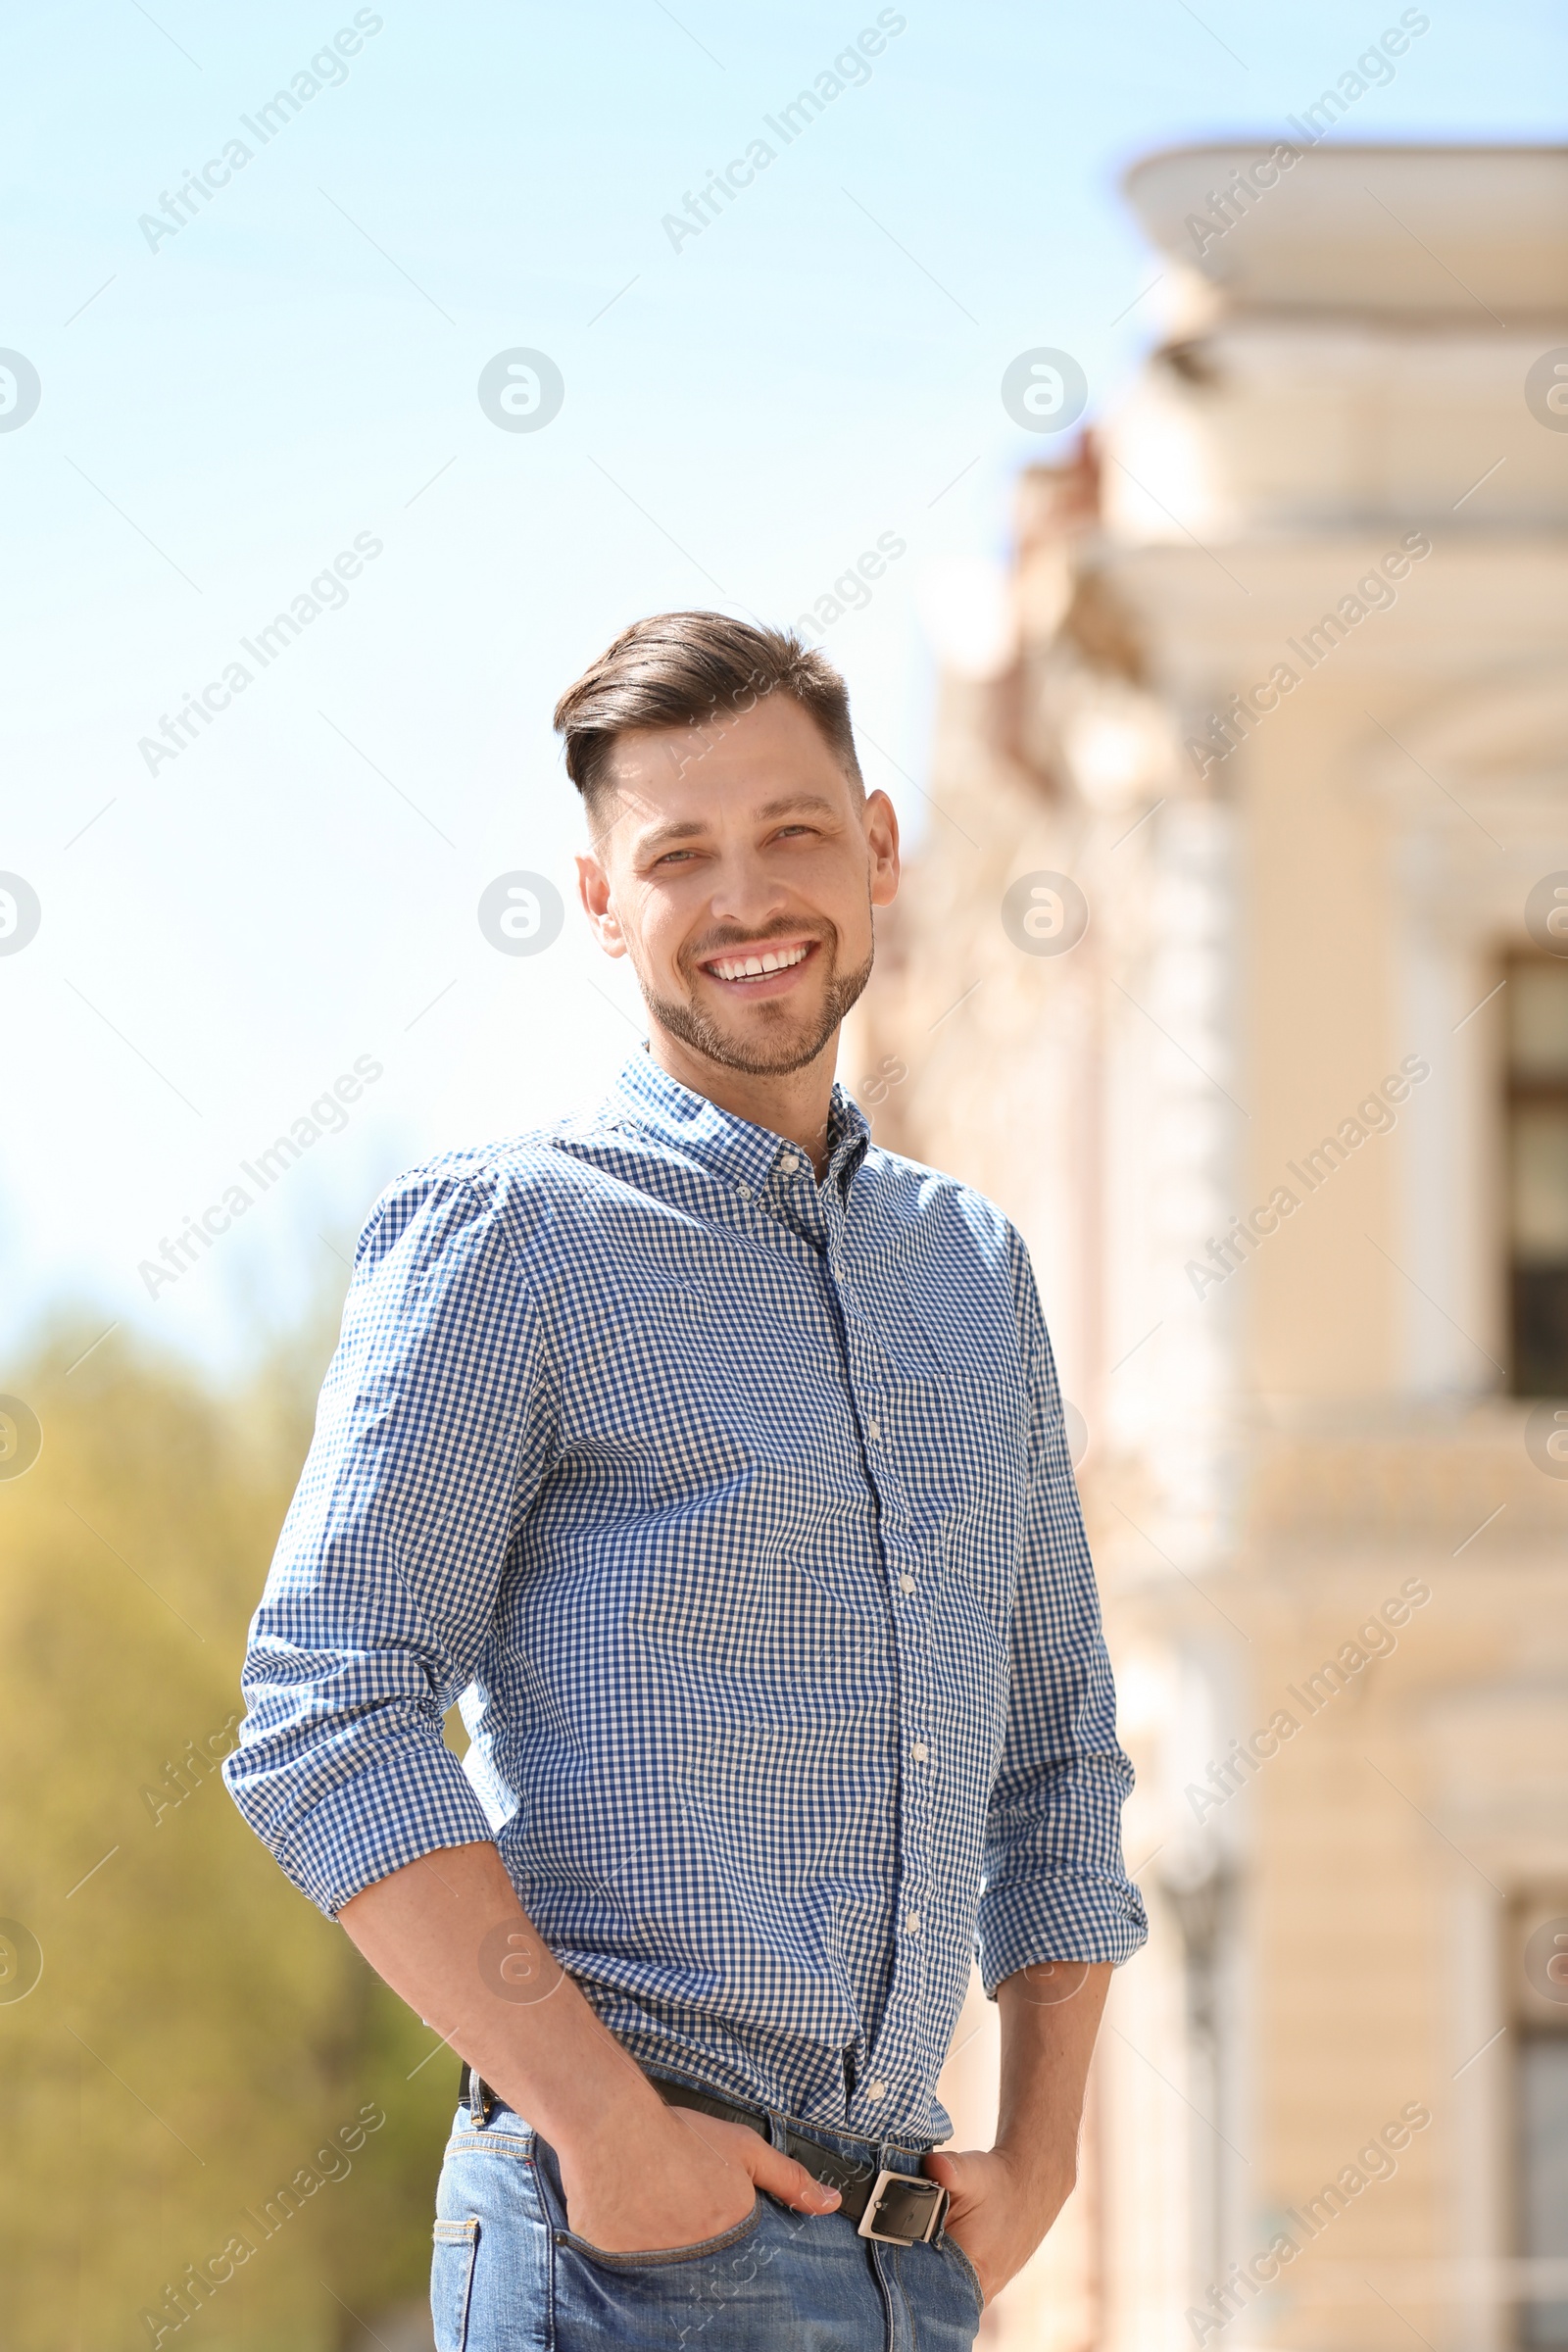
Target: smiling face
<point>738,869</point>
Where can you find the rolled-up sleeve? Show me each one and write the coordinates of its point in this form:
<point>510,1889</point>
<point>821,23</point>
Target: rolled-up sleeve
<point>434,1427</point>
<point>1053,1887</point>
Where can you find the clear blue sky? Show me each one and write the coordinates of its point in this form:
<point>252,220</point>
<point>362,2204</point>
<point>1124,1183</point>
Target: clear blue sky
<point>220,416</point>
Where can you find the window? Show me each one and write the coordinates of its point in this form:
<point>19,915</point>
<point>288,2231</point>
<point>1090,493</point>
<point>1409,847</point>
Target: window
<point>1540,1972</point>
<point>1543,2064</point>
<point>1536,1018</point>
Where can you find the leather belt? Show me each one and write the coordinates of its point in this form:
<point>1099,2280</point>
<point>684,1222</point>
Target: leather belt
<point>897,2209</point>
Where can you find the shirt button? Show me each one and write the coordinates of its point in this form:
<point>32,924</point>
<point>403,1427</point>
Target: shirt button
<point>913,1923</point>
<point>920,1751</point>
<point>788,1166</point>
<point>877,2090</point>
<point>745,1191</point>
<point>905,1583</point>
<point>873,1429</point>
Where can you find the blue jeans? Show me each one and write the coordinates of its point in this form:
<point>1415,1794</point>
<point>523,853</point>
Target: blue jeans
<point>508,2275</point>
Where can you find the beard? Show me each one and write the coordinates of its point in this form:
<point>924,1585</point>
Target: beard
<point>791,1047</point>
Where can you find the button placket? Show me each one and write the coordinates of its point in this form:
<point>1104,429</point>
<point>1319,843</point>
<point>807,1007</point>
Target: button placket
<point>867,1370</point>
<point>914,1811</point>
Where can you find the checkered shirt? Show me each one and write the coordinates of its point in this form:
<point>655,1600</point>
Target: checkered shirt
<point>737,1514</point>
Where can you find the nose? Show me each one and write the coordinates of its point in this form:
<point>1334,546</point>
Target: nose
<point>745,893</point>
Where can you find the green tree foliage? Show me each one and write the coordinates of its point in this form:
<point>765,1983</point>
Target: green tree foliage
<point>199,2037</point>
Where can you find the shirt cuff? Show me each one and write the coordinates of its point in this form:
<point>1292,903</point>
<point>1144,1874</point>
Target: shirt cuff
<point>410,1802</point>
<point>1069,1916</point>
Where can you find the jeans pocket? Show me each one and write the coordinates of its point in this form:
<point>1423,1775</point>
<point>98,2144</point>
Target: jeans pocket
<point>950,2245</point>
<point>663,2258</point>
<point>452,2283</point>
<point>658,2258</point>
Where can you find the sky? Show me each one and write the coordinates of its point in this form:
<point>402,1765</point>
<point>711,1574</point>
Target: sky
<point>279,384</point>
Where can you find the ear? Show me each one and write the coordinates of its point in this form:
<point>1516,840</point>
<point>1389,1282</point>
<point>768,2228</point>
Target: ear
<point>593,888</point>
<point>882,848</point>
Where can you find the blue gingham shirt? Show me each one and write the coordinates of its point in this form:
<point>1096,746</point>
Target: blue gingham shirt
<point>738,1511</point>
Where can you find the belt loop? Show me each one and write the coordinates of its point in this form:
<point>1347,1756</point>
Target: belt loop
<point>477,2093</point>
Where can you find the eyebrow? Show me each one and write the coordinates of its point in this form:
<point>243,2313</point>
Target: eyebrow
<point>792,804</point>
<point>793,801</point>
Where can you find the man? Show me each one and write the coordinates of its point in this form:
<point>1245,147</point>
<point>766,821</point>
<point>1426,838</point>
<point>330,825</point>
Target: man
<point>715,1457</point>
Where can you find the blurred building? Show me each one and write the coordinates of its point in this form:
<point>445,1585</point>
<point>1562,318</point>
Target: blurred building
<point>1233,967</point>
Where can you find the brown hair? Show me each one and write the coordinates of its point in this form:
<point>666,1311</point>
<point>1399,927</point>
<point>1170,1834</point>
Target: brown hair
<point>694,670</point>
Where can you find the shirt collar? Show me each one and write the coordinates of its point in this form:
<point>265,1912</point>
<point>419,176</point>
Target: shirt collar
<point>731,1148</point>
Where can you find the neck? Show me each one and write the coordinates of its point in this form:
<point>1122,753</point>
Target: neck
<point>794,1104</point>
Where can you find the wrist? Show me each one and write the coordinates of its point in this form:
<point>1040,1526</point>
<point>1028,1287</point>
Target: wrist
<point>1044,2172</point>
<point>598,2117</point>
<point>580,2089</point>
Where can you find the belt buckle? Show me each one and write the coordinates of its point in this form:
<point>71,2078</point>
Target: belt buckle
<point>910,2198</point>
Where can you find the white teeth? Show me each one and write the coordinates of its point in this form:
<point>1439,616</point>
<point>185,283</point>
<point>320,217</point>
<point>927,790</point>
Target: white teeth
<point>750,967</point>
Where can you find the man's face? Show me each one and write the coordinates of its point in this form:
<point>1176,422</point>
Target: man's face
<point>738,867</point>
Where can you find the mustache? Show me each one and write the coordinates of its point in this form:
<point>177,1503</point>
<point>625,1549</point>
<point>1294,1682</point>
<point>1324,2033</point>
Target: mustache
<point>732,940</point>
